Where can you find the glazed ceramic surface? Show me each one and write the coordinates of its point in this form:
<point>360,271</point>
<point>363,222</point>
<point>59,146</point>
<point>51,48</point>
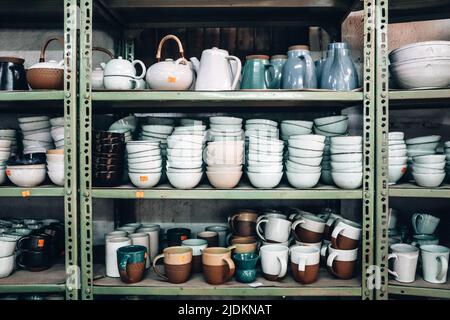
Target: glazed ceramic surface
<point>339,72</point>
<point>258,73</point>
<point>299,72</point>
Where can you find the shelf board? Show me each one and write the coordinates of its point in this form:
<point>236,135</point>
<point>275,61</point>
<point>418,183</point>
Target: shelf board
<point>37,101</point>
<point>426,98</point>
<point>420,288</point>
<point>243,191</point>
<point>196,286</point>
<point>32,95</point>
<point>408,190</point>
<point>41,191</point>
<point>47,281</point>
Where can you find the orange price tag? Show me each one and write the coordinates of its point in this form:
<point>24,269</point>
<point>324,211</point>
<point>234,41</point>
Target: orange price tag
<point>171,79</point>
<point>403,169</point>
<point>139,194</point>
<point>8,172</point>
<point>26,193</point>
<point>40,243</point>
<point>143,178</point>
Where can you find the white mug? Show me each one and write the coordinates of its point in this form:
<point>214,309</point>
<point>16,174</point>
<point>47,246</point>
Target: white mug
<point>7,265</point>
<point>317,245</point>
<point>304,256</point>
<point>311,223</point>
<point>405,263</point>
<point>112,245</point>
<point>142,239</point>
<point>116,234</point>
<point>7,246</point>
<point>153,232</point>
<point>269,215</point>
<point>274,258</point>
<point>276,229</point>
<point>434,263</point>
<point>424,223</point>
<point>347,229</point>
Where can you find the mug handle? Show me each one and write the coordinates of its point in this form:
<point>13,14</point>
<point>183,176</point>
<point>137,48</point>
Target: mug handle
<point>259,219</point>
<point>238,71</point>
<point>323,251</point>
<point>392,256</point>
<point>231,267</point>
<point>269,76</point>
<point>135,84</point>
<point>301,264</point>
<point>159,256</point>
<point>228,239</point>
<point>123,264</point>
<point>258,227</point>
<point>283,264</point>
<point>296,223</point>
<point>141,76</point>
<point>231,223</point>
<point>415,219</point>
<point>19,261</point>
<point>444,268</point>
<point>331,257</point>
<point>22,240</point>
<point>231,247</point>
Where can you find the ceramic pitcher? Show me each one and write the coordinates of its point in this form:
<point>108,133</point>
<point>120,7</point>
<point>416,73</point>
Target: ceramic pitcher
<point>258,73</point>
<point>339,72</point>
<point>278,61</point>
<point>215,71</point>
<point>299,71</point>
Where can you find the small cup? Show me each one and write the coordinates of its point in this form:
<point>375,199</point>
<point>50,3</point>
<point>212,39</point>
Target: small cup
<point>274,259</point>
<point>211,237</point>
<point>309,228</point>
<point>317,245</point>
<point>275,230</point>
<point>341,263</point>
<point>329,225</point>
<point>346,235</point>
<point>305,263</point>
<point>177,235</point>
<point>243,223</point>
<point>218,267</point>
<point>35,242</point>
<point>243,244</point>
<point>34,260</point>
<point>245,266</point>
<point>434,263</point>
<point>197,246</point>
<point>405,258</point>
<point>131,263</point>
<point>177,264</point>
<point>222,231</point>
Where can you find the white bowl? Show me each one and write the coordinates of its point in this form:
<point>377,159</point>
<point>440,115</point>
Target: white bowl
<point>397,147</point>
<point>303,180</point>
<point>32,119</point>
<point>311,161</point>
<point>56,176</point>
<point>288,129</point>
<point>226,127</point>
<point>262,121</point>
<point>145,180</point>
<point>308,137</point>
<point>224,168</point>
<point>292,166</point>
<point>347,157</point>
<point>396,135</point>
<point>327,133</point>
<point>271,148</point>
<point>5,143</point>
<point>146,165</point>
<point>422,73</point>
<point>34,126</point>
<point>419,152</point>
<point>7,133</point>
<point>301,123</point>
<point>346,140</point>
<point>423,146</point>
<point>184,164</point>
<point>429,180</point>
<point>426,170</point>
<point>346,149</point>
<point>395,142</point>
<point>347,180</point>
<point>264,157</point>
<point>438,165</point>
<point>57,133</point>
<point>418,50</point>
<point>144,154</point>
<point>141,147</point>
<point>183,145</point>
<point>4,155</point>
<point>350,170</point>
<point>55,166</point>
<point>144,159</point>
<point>146,171</point>
<point>329,120</point>
<point>265,180</point>
<point>262,169</point>
<point>339,127</point>
<point>158,128</point>
<point>224,180</point>
<point>58,144</point>
<point>259,126</point>
<point>26,176</point>
<point>263,163</point>
<point>396,172</point>
<point>397,160</point>
<point>397,153</point>
<point>296,152</point>
<point>435,158</point>
<point>175,170</point>
<point>187,180</point>
<point>308,145</point>
<point>225,120</point>
<point>57,122</point>
<point>345,165</point>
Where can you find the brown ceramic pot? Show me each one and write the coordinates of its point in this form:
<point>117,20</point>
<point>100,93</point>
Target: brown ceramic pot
<point>177,264</point>
<point>218,267</point>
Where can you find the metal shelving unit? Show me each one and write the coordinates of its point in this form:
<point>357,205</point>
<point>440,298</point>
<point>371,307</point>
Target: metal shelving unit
<point>63,276</point>
<point>129,16</point>
<point>401,11</point>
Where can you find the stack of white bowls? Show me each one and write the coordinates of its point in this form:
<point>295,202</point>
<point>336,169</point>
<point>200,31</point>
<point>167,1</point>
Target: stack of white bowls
<point>55,166</point>
<point>184,167</point>
<point>397,157</point>
<point>347,161</point>
<point>263,128</point>
<point>294,128</point>
<point>157,132</point>
<point>264,161</point>
<point>57,132</point>
<point>421,146</point>
<point>428,171</point>
<point>5,152</point>
<point>36,134</point>
<point>10,134</point>
<point>305,153</point>
<point>224,160</point>
<point>144,163</point>
<point>447,157</point>
<point>225,129</point>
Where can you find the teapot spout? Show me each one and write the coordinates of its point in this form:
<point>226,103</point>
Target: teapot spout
<point>195,63</point>
<point>103,65</point>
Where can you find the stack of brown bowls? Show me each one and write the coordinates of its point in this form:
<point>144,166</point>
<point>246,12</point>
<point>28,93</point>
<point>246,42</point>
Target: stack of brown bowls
<point>108,152</point>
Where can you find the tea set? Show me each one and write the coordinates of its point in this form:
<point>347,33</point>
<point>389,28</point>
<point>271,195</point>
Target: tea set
<point>420,250</point>
<point>420,158</point>
<point>221,255</point>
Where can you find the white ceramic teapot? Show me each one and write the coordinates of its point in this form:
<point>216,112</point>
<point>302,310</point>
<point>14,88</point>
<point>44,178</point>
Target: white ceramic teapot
<point>170,74</point>
<point>215,71</point>
<point>120,74</point>
<point>97,73</point>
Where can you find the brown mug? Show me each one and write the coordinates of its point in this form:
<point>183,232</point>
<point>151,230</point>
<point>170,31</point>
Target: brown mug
<point>211,237</point>
<point>329,225</point>
<point>305,263</point>
<point>243,223</point>
<point>177,264</point>
<point>309,228</point>
<point>346,235</point>
<point>218,267</point>
<point>342,263</point>
<point>244,244</point>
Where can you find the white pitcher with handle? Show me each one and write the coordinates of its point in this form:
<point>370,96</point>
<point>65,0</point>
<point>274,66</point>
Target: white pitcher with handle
<point>215,71</point>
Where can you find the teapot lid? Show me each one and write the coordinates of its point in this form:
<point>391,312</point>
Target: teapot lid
<point>51,64</point>
<point>278,56</point>
<point>298,47</point>
<point>257,56</point>
<point>217,51</point>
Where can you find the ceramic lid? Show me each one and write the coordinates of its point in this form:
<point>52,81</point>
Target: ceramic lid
<point>12,60</point>
<point>298,47</point>
<point>278,57</point>
<point>119,67</point>
<point>52,64</point>
<point>215,50</point>
<point>257,56</point>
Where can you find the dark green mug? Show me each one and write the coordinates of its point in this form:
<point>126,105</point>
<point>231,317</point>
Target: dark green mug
<point>131,263</point>
<point>258,73</point>
<point>245,266</point>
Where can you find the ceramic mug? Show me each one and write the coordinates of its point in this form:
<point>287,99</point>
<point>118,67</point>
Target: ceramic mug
<point>245,266</point>
<point>153,232</point>
<point>177,235</point>
<point>434,263</point>
<point>211,237</point>
<point>329,225</point>
<point>218,267</point>
<point>423,239</point>
<point>115,234</point>
<point>7,264</point>
<point>393,213</point>
<point>274,259</point>
<point>197,246</point>
<point>309,228</point>
<point>34,260</point>
<point>342,263</point>
<point>35,242</point>
<point>405,263</point>
<point>112,244</point>
<point>243,245</point>
<point>317,245</point>
<point>243,223</point>
<point>424,223</point>
<point>305,263</point>
<point>177,264</point>
<point>142,239</point>
<point>7,246</point>
<point>269,215</point>
<point>128,230</point>
<point>131,262</point>
<point>222,231</point>
<point>258,73</point>
<point>346,235</point>
<point>275,229</point>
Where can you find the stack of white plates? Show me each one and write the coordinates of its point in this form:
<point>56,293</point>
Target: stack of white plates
<point>55,166</point>
<point>428,171</point>
<point>57,132</point>
<point>305,153</point>
<point>346,161</point>
<point>36,134</point>
<point>294,128</point>
<point>397,156</point>
<point>10,134</point>
<point>184,167</point>
<point>144,163</point>
<point>5,152</point>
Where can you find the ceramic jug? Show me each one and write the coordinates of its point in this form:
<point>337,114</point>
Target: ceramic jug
<point>299,72</point>
<point>339,72</point>
<point>215,71</point>
<point>120,74</point>
<point>170,74</point>
<point>258,73</point>
<point>97,73</point>
<point>319,67</point>
<point>278,61</point>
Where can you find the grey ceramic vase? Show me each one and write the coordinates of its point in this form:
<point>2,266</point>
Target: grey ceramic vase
<point>299,72</point>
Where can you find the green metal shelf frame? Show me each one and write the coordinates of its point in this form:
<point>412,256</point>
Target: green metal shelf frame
<point>418,291</point>
<point>68,101</point>
<point>283,98</point>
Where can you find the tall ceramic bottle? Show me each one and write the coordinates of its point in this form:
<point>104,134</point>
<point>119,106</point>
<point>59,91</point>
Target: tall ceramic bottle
<point>299,71</point>
<point>339,72</point>
<point>278,61</point>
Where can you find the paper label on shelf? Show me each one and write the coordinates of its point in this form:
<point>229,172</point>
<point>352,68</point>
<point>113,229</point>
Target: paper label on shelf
<point>8,172</point>
<point>26,193</point>
<point>171,79</point>
<point>143,178</point>
<point>255,284</point>
<point>139,194</point>
<point>40,243</point>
